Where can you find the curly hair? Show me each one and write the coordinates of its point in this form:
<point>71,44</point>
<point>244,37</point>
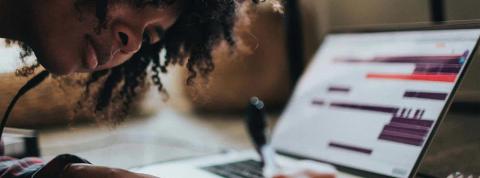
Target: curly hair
<point>200,27</point>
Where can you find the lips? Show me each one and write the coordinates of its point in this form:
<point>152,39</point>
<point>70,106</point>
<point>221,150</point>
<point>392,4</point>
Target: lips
<point>94,58</point>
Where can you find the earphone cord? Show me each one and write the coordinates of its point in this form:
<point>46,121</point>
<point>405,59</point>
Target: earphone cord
<point>32,83</point>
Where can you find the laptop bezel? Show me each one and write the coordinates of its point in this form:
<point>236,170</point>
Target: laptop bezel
<point>457,25</point>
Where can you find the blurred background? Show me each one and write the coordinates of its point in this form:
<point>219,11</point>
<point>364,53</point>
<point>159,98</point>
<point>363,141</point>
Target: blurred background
<point>207,117</point>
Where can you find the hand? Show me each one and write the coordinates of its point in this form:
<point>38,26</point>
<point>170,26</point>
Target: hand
<point>305,169</point>
<point>306,174</point>
<point>91,171</point>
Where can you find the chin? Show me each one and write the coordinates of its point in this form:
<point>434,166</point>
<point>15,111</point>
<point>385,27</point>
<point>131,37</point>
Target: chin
<point>86,71</point>
<point>55,65</point>
<point>57,69</point>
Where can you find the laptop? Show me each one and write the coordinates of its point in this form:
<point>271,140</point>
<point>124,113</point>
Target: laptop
<point>369,103</point>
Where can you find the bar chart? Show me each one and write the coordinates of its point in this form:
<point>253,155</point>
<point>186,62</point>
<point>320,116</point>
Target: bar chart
<point>372,100</point>
<point>407,125</point>
<point>427,68</point>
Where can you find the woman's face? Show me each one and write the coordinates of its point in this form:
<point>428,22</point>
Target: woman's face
<point>66,39</point>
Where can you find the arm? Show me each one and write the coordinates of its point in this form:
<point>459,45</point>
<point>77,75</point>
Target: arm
<point>35,167</point>
<point>63,166</point>
<point>19,168</point>
<point>69,166</point>
<point>29,167</point>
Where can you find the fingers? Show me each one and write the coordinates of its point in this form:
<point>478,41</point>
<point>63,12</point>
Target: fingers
<point>305,169</point>
<point>92,171</point>
<point>311,174</point>
<point>307,175</point>
<point>88,170</point>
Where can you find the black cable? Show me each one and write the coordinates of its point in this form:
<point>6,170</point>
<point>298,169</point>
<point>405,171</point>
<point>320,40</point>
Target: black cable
<point>437,11</point>
<point>32,83</point>
<point>293,25</point>
<point>256,124</point>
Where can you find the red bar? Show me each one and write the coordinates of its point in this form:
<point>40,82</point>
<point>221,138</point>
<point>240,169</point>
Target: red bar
<point>419,77</point>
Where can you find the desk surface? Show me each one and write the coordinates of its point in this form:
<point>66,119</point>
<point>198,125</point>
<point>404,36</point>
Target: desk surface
<point>172,134</point>
<point>168,135</point>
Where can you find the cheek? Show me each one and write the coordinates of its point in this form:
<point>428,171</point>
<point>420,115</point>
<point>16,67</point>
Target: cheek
<point>58,53</point>
<point>59,43</point>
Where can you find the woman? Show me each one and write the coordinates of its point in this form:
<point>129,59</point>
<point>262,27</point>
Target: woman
<point>114,40</point>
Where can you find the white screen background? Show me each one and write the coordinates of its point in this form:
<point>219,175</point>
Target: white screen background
<point>366,69</point>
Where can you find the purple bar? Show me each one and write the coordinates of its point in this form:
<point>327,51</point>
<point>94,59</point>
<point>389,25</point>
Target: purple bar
<point>408,141</point>
<point>318,102</point>
<point>351,148</point>
<point>403,135</point>
<point>421,114</point>
<point>436,68</point>
<point>443,59</point>
<point>383,109</point>
<point>408,113</point>
<point>408,126</point>
<point>425,95</point>
<point>339,89</point>
<point>416,114</point>
<point>421,59</point>
<point>417,122</point>
<point>454,59</point>
<point>403,112</point>
<point>419,132</point>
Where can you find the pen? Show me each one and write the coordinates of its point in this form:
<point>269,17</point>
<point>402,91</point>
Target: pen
<point>257,127</point>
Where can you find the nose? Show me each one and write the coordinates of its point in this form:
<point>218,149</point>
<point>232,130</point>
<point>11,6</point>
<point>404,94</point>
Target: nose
<point>129,38</point>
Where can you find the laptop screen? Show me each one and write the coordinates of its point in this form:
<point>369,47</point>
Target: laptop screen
<point>369,101</point>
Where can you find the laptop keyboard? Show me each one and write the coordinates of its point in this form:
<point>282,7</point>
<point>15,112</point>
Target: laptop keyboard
<point>240,169</point>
